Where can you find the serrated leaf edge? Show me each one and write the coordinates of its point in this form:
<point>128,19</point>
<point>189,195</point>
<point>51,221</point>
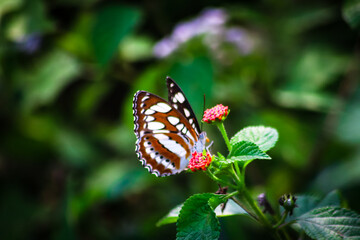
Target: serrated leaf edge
<point>212,212</point>
<point>233,141</point>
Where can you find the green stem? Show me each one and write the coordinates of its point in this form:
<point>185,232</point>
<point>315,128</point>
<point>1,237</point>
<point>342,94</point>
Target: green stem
<point>282,228</point>
<point>244,207</point>
<point>279,226</point>
<point>237,179</point>
<point>282,219</point>
<point>285,234</point>
<point>231,194</point>
<point>286,224</point>
<point>256,208</point>
<point>216,179</point>
<point>242,176</point>
<point>237,169</point>
<point>221,128</point>
<point>259,213</point>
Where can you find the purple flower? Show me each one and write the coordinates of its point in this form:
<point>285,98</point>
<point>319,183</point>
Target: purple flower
<point>29,43</point>
<point>208,22</point>
<point>214,17</point>
<point>164,48</point>
<point>240,38</point>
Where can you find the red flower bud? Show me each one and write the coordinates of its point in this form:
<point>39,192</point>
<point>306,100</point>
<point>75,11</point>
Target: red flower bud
<point>217,113</point>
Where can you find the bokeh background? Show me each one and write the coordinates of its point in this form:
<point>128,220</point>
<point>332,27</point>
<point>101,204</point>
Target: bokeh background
<point>68,72</point>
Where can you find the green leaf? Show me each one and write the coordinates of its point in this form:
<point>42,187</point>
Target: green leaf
<point>221,157</point>
<point>309,75</point>
<point>74,148</point>
<point>231,209</point>
<point>331,199</point>
<point>43,83</point>
<point>227,161</point>
<point>302,20</point>
<point>171,217</point>
<point>112,24</point>
<point>307,203</point>
<point>197,219</point>
<point>9,5</point>
<point>244,151</point>
<point>76,40</point>
<point>111,180</point>
<point>348,129</point>
<point>36,17</point>
<point>315,100</point>
<point>334,177</point>
<point>296,141</point>
<point>219,164</point>
<point>264,137</point>
<point>331,223</point>
<point>315,68</point>
<point>135,48</point>
<point>351,13</point>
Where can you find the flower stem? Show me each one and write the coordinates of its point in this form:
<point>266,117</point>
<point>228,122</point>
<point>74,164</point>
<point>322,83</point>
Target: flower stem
<point>256,208</point>
<point>234,173</point>
<point>221,128</point>
<point>282,219</point>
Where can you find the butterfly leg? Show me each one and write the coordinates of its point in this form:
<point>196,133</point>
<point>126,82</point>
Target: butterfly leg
<point>208,147</point>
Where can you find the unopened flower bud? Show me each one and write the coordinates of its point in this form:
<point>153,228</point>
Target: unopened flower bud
<point>262,200</point>
<point>288,201</point>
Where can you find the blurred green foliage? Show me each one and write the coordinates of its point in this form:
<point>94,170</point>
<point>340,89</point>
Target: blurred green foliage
<point>68,72</point>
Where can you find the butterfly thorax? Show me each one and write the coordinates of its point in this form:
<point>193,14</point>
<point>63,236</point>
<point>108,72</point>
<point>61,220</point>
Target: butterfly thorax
<point>200,144</point>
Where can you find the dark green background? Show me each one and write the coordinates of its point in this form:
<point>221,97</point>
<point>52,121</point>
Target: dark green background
<point>69,69</point>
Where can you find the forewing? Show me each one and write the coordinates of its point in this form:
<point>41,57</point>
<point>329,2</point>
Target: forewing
<point>164,136</point>
<point>178,100</point>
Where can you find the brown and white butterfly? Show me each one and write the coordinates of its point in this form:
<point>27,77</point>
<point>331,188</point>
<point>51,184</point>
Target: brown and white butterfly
<point>167,132</point>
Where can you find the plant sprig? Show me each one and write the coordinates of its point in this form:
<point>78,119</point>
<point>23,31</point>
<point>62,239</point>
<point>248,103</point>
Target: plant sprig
<point>198,215</point>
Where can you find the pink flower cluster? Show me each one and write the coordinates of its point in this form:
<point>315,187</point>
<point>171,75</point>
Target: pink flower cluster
<point>199,161</point>
<point>217,113</point>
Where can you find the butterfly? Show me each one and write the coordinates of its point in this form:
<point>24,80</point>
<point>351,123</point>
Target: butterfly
<point>167,132</point>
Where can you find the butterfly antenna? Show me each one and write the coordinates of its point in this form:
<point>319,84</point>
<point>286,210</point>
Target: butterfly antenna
<point>201,126</point>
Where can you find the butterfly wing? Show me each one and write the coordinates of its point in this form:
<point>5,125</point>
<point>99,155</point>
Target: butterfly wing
<point>178,100</point>
<point>164,136</point>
